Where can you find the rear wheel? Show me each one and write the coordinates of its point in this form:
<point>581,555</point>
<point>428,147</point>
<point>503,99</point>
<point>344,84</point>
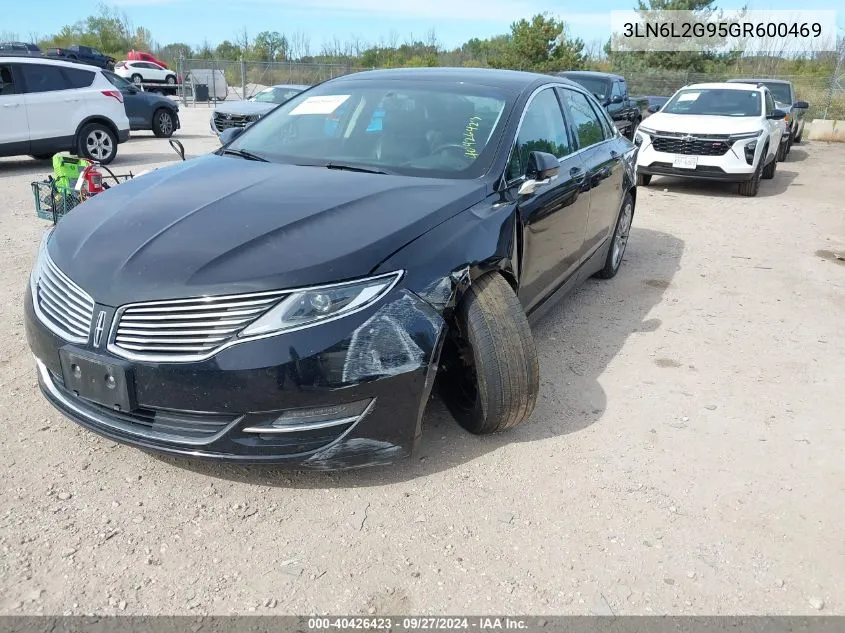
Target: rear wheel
<point>619,240</point>
<point>97,142</point>
<point>164,123</point>
<point>797,139</point>
<point>490,373</point>
<point>171,80</point>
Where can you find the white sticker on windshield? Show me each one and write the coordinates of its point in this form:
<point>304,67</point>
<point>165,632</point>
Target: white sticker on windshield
<point>320,105</point>
<point>688,96</point>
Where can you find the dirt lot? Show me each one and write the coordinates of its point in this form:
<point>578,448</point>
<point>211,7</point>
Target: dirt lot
<point>686,455</point>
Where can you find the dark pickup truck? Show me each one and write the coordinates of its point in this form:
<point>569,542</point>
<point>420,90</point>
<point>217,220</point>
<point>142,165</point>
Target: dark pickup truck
<point>83,55</point>
<point>612,92</point>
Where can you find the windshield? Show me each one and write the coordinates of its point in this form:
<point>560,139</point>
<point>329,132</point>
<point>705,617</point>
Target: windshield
<point>780,92</point>
<point>716,102</point>
<point>599,87</point>
<point>275,95</point>
<point>411,128</point>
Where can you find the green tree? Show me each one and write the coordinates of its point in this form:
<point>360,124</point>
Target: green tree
<point>270,46</point>
<point>541,44</point>
<point>227,51</point>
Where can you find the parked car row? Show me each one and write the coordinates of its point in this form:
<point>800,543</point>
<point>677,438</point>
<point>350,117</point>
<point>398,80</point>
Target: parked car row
<point>734,131</point>
<point>49,106</point>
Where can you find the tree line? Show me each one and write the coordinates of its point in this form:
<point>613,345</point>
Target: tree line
<point>540,43</point>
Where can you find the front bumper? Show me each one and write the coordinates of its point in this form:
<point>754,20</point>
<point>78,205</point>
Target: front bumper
<point>729,167</point>
<point>385,356</point>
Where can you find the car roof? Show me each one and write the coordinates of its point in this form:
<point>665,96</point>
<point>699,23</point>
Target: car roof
<point>295,86</point>
<point>589,73</point>
<point>49,61</point>
<point>723,85</point>
<point>508,79</point>
<point>763,80</point>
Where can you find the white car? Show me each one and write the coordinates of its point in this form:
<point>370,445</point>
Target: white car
<point>49,106</point>
<point>145,72</point>
<point>714,131</point>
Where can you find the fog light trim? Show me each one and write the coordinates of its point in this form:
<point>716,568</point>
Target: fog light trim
<point>310,419</point>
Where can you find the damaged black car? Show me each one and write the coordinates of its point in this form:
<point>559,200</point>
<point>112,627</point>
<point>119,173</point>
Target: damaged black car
<point>296,295</point>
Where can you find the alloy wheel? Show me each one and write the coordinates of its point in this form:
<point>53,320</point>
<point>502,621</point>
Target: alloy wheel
<point>620,240</point>
<point>99,145</point>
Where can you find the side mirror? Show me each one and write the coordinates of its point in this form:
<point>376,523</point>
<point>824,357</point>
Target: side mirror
<point>230,134</point>
<point>653,108</point>
<point>801,105</point>
<point>777,115</point>
<point>177,147</point>
<point>542,169</point>
<point>616,99</point>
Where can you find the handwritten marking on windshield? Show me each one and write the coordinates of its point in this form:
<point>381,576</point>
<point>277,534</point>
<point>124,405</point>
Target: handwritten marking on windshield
<point>469,137</point>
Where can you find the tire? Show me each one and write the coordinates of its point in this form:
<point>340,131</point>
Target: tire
<point>750,188</point>
<point>492,375</point>
<point>164,123</point>
<point>643,180</point>
<point>769,170</point>
<point>783,150</point>
<point>797,139</point>
<point>619,241</point>
<point>137,79</point>
<point>633,129</point>
<point>171,80</point>
<point>97,142</point>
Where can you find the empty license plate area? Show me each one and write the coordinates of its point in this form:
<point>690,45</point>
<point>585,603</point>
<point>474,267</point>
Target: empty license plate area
<point>93,378</point>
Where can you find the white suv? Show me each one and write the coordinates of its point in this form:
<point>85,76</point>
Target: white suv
<point>715,131</point>
<point>145,72</point>
<point>49,106</point>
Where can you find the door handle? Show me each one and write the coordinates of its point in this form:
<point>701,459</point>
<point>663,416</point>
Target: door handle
<point>576,171</point>
<point>614,153</point>
<point>11,105</point>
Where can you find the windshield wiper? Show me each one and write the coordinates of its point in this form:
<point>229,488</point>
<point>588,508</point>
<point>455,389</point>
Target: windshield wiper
<point>245,154</point>
<point>363,170</point>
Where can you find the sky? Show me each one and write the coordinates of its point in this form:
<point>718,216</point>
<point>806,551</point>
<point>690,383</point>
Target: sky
<point>454,21</point>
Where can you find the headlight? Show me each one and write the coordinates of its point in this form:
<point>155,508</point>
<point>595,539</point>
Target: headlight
<point>312,306</point>
<point>744,136</point>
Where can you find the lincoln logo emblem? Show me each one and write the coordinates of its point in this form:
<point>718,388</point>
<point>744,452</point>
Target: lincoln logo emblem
<point>687,138</point>
<point>98,330</point>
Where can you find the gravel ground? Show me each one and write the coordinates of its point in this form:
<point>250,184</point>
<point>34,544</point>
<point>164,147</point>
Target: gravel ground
<point>685,456</point>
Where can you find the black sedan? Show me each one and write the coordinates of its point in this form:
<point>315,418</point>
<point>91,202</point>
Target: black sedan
<point>292,296</point>
<point>146,110</point>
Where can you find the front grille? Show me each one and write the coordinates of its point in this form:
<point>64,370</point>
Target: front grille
<point>62,305</point>
<point>670,170</point>
<point>185,329</point>
<point>225,121</point>
<point>695,146</point>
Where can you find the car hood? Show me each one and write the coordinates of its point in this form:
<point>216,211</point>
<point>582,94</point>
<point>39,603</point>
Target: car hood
<point>701,124</point>
<point>225,225</point>
<point>246,107</point>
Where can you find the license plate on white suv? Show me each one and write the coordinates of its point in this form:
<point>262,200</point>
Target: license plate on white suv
<point>685,162</point>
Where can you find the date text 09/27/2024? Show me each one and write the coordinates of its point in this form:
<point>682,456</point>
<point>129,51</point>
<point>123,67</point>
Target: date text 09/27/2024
<point>418,623</point>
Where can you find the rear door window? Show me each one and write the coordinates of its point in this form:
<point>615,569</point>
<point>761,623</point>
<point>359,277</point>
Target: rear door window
<point>43,78</point>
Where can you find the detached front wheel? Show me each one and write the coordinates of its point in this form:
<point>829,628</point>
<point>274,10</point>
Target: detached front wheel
<point>491,373</point>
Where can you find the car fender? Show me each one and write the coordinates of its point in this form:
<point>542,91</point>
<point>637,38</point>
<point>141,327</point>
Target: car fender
<point>442,263</point>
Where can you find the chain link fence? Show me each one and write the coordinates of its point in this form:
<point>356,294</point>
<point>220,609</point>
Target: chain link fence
<point>242,79</point>
<point>233,80</point>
